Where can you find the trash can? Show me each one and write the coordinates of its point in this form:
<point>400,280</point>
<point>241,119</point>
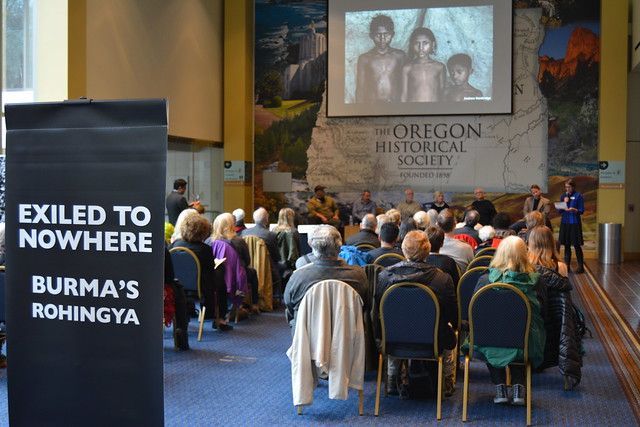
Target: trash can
<point>610,243</point>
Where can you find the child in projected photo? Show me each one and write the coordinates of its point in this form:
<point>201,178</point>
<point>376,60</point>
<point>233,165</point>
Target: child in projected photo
<point>423,78</point>
<point>459,66</point>
<point>378,70</point>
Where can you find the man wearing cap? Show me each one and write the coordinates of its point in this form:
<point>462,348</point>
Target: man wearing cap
<point>323,209</point>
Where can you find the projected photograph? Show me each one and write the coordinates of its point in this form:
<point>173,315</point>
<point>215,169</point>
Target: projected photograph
<point>438,58</point>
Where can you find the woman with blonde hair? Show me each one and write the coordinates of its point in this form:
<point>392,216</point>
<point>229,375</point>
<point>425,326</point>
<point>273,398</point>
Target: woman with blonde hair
<point>225,243</point>
<point>394,215</point>
<point>542,250</point>
<point>177,230</point>
<point>288,242</point>
<point>511,265</point>
<point>532,220</point>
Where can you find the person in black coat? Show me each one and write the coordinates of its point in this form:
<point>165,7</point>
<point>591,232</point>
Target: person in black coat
<point>195,229</point>
<point>415,248</point>
<point>435,258</point>
<point>563,342</point>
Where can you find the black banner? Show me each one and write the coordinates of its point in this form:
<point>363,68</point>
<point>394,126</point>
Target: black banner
<point>84,241</point>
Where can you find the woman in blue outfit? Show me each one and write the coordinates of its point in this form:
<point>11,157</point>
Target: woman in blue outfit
<point>571,224</point>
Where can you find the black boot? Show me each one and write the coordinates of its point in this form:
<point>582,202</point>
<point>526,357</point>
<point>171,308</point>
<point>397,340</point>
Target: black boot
<point>567,257</point>
<point>580,259</point>
<point>392,385</point>
<point>180,339</point>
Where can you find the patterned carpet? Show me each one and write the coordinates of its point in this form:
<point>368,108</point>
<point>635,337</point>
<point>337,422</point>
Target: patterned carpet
<point>243,378</point>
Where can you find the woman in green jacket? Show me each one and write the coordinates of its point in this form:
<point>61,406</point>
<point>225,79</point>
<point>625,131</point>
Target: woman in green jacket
<point>511,265</point>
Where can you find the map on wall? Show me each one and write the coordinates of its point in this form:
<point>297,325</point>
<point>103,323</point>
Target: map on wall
<point>449,153</point>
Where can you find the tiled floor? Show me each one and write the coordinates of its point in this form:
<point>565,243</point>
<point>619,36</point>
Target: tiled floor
<point>622,284</point>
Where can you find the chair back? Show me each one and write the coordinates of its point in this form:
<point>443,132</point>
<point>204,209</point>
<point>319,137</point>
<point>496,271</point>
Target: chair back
<point>499,316</point>
<point>261,262</point>
<point>365,247</point>
<point>489,251</point>
<point>330,309</point>
<point>409,319</point>
<point>186,267</point>
<point>388,259</point>
<point>464,291</point>
<point>480,261</point>
<point>3,316</point>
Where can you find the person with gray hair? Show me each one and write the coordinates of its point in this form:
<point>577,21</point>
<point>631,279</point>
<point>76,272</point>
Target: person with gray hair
<point>471,220</point>
<point>416,247</point>
<point>421,218</point>
<point>486,234</point>
<point>325,242</point>
<point>261,230</point>
<point>238,215</point>
<point>367,233</point>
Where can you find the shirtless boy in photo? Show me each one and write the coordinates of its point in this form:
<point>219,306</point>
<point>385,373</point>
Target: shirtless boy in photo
<point>459,66</point>
<point>423,78</point>
<point>378,70</point>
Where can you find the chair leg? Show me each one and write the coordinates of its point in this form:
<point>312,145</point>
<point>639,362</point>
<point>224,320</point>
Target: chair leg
<point>528,394</point>
<point>360,402</point>
<point>456,355</point>
<point>508,375</point>
<point>299,408</point>
<point>439,391</point>
<point>201,321</point>
<point>237,307</point>
<point>377,406</point>
<point>465,389</point>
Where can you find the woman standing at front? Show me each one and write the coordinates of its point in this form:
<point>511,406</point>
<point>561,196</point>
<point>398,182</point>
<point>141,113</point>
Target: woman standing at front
<point>571,225</point>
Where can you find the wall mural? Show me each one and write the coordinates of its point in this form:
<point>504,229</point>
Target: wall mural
<point>551,135</point>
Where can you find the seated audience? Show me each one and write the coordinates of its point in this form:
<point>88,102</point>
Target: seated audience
<point>395,216</point>
<point>388,238</point>
<point>178,227</point>
<point>415,248</point>
<point>325,242</point>
<point>367,233</point>
<point>501,223</point>
<point>238,215</point>
<point>224,229</point>
<point>169,229</point>
<point>194,230</point>
<point>443,262</point>
<point>461,252</point>
<point>261,230</point>
<point>288,243</point>
<point>471,220</point>
<point>421,220</point>
<point>511,265</point>
<point>382,219</point>
<point>235,274</point>
<point>406,226</point>
<point>533,219</point>
<point>563,342</point>
<point>408,207</point>
<point>362,207</point>
<point>438,203</point>
<point>487,238</point>
<point>433,217</point>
